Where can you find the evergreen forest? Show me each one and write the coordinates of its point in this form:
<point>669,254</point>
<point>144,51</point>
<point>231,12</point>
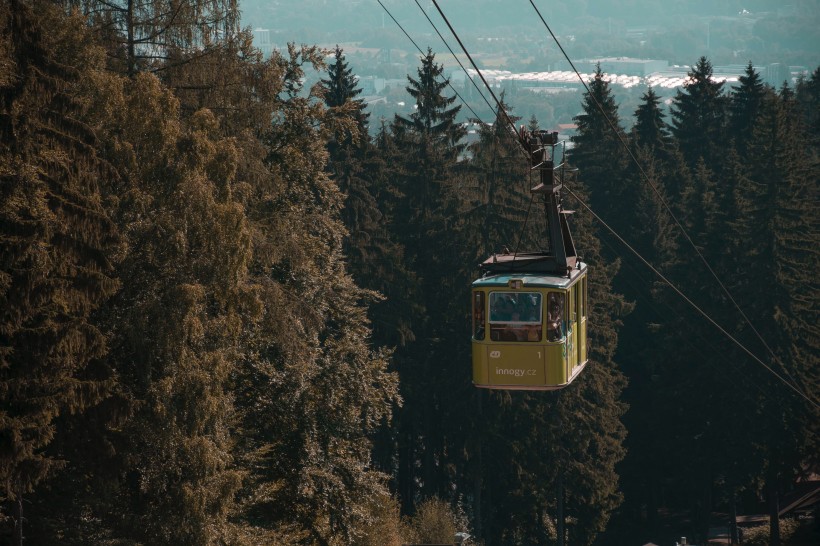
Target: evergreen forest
<point>229,316</point>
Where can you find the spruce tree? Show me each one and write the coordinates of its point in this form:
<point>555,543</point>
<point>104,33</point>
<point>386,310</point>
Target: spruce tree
<point>598,152</point>
<point>355,165</point>
<point>429,140</point>
<point>807,95</point>
<point>650,128</point>
<point>177,322</point>
<point>744,107</point>
<point>433,135</point>
<point>584,432</point>
<point>792,420</point>
<point>341,90</point>
<point>391,275</point>
<point>496,201</point>
<point>651,233</point>
<point>698,116</point>
<point>363,171</point>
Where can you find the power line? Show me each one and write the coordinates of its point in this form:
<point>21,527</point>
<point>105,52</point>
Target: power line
<point>658,193</point>
<point>614,233</point>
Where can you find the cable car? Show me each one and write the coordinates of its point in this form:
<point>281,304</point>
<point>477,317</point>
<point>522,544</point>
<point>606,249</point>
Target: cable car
<point>529,309</point>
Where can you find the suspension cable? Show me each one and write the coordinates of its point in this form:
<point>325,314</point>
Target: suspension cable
<point>472,62</point>
<point>659,194</point>
<point>689,301</point>
<point>499,107</point>
<point>617,236</point>
<point>422,52</point>
<point>478,89</point>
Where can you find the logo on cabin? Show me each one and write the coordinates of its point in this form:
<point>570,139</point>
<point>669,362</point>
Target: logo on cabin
<point>495,354</point>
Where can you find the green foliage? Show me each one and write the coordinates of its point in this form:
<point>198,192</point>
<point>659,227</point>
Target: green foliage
<point>699,116</point>
<point>420,203</point>
<point>650,129</point>
<point>312,390</point>
<point>597,151</point>
<point>745,102</point>
<point>175,326</point>
<point>496,192</point>
<point>433,121</point>
<point>233,279</point>
<point>386,527</point>
<point>341,91</point>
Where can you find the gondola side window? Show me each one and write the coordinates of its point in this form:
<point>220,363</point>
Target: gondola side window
<point>580,304</point>
<point>555,317</point>
<point>515,316</point>
<point>478,315</point>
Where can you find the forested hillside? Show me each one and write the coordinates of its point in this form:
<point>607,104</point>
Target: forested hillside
<point>229,316</point>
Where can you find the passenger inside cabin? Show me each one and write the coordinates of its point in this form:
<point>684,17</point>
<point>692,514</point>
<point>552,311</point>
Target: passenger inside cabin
<point>503,310</point>
<point>528,309</point>
<point>555,329</point>
<point>515,316</point>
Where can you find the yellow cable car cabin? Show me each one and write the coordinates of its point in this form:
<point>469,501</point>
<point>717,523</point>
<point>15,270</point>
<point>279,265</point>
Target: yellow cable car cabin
<point>529,309</point>
<point>529,330</point>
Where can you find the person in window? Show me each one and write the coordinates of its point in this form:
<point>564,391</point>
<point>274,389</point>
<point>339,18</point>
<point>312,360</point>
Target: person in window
<point>501,311</point>
<point>555,330</point>
<point>528,310</point>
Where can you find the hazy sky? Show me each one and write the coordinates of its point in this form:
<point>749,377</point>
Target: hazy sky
<point>728,31</point>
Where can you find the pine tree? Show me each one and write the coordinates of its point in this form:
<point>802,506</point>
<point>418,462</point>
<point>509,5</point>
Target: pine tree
<point>650,129</point>
<point>432,119</point>
<point>588,437</point>
<point>698,117</point>
<point>744,107</point>
<point>392,317</point>
<point>497,199</point>
<point>177,323</point>
<point>796,234</point>
<point>807,95</point>
<point>342,91</point>
<point>752,209</point>
<point>598,153</point>
<point>355,165</point>
<point>58,246</point>
<point>434,134</point>
<point>429,140</point>
<point>363,171</point>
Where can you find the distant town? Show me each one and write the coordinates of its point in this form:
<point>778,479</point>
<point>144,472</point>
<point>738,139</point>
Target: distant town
<point>628,76</point>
